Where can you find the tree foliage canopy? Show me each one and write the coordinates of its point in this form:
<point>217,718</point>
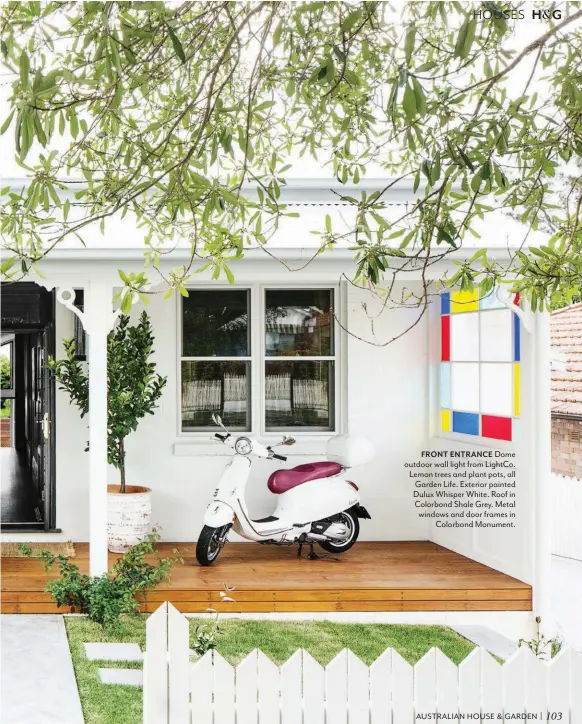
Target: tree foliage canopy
<point>170,110</point>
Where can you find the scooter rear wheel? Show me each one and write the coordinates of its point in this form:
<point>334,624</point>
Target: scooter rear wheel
<point>210,543</point>
<point>349,519</point>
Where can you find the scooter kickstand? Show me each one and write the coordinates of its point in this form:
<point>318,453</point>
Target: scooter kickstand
<point>313,556</point>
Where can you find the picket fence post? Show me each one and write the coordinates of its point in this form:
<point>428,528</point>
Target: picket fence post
<point>155,668</point>
<point>347,691</point>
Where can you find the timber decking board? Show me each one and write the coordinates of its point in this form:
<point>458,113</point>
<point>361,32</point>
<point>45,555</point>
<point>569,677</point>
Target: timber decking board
<point>399,576</point>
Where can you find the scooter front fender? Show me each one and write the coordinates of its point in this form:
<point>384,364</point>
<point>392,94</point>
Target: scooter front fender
<point>218,514</point>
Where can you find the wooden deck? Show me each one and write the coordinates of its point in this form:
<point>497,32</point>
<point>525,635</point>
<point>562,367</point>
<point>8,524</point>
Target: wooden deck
<point>409,576</point>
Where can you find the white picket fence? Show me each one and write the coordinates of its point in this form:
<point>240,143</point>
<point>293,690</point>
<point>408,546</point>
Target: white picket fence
<point>346,691</point>
<point>567,516</point>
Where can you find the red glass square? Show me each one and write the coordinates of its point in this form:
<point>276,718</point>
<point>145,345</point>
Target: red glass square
<point>445,339</point>
<point>498,428</point>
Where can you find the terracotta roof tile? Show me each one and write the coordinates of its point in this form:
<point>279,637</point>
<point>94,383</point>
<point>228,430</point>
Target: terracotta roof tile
<point>566,340</point>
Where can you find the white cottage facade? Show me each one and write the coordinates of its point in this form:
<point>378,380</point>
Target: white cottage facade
<point>277,377</point>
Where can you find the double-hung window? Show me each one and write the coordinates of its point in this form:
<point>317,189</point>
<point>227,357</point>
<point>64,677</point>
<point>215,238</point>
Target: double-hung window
<point>264,359</point>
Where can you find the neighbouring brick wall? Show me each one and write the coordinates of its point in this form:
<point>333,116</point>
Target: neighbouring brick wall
<point>566,453</point>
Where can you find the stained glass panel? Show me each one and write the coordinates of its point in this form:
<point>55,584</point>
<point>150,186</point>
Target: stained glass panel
<point>464,301</point>
<point>479,389</point>
<point>466,422</point>
<point>498,428</point>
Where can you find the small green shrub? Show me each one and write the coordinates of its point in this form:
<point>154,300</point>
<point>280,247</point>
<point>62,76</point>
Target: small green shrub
<point>105,599</point>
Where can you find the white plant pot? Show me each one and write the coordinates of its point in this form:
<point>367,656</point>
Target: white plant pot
<point>128,516</point>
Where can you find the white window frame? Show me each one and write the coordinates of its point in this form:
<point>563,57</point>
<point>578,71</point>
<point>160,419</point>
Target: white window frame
<point>258,358</point>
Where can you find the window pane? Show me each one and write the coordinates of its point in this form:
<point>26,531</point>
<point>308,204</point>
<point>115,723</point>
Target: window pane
<point>6,366</point>
<point>299,394</point>
<point>215,323</point>
<point>497,389</point>
<point>221,387</point>
<point>465,337</point>
<point>299,322</point>
<point>465,386</point>
<point>497,336</point>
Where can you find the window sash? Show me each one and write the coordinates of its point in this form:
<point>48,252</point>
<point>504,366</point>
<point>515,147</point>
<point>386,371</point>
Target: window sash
<point>258,357</point>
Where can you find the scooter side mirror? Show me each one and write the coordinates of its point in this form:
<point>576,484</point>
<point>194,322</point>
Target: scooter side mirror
<point>217,419</point>
<point>289,440</point>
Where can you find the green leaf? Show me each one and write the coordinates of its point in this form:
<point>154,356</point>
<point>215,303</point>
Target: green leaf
<point>409,103</point>
<point>419,97</point>
<point>352,19</point>
<point>465,38</point>
<point>7,264</point>
<point>126,303</point>
<point>24,67</point>
<point>409,42</point>
<point>466,159</point>
<point>426,66</point>
<point>229,274</point>
<point>328,223</point>
<point>74,124</point>
<point>7,122</point>
<point>178,49</point>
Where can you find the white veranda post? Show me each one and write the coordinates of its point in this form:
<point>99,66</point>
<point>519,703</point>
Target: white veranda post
<point>97,318</point>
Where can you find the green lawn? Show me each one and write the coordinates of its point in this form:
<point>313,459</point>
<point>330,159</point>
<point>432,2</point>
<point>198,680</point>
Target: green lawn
<point>122,705</point>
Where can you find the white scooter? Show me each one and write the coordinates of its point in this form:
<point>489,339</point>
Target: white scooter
<point>315,504</point>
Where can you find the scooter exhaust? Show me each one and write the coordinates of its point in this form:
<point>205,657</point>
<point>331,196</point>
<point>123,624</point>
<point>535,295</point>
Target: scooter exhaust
<point>335,531</point>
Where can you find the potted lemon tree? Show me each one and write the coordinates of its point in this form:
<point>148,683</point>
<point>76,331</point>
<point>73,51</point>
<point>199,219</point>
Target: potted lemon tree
<point>134,389</point>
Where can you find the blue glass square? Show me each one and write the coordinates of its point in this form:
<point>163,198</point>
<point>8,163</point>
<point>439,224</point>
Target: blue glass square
<point>466,422</point>
<point>516,339</point>
<point>491,301</point>
<point>446,303</point>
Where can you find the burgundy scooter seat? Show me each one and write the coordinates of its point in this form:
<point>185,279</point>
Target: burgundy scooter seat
<point>283,480</point>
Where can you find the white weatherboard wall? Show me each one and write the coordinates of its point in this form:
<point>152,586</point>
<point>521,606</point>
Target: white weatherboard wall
<point>385,391</point>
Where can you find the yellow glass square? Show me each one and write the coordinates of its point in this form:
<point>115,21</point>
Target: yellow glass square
<point>446,420</point>
<point>465,301</point>
<point>516,396</point>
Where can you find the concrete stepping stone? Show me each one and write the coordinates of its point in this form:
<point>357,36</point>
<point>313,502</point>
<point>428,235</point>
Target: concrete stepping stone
<point>122,677</point>
<point>489,639</point>
<point>113,652</point>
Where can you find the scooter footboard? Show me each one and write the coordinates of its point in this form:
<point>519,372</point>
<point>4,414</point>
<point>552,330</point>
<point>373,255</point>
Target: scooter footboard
<point>218,514</point>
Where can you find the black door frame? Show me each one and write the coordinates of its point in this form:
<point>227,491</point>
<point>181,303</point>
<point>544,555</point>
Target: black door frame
<point>49,523</point>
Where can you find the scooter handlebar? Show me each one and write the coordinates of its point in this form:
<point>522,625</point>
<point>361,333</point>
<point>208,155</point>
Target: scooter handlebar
<point>278,457</point>
<point>220,437</point>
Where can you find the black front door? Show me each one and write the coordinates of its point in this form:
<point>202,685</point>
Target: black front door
<point>41,420</point>
<point>28,479</point>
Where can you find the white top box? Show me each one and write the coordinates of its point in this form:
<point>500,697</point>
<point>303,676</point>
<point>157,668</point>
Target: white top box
<point>349,450</point>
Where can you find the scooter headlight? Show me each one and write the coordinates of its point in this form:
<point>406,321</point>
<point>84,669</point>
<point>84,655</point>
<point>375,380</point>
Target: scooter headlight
<point>243,446</point>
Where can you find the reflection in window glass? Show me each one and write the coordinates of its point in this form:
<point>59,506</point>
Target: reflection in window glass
<point>299,394</point>
<point>299,322</point>
<point>215,387</point>
<point>6,366</point>
<point>215,324</point>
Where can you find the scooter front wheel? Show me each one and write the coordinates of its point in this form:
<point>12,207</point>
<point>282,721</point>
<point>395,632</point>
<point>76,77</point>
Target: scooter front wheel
<point>210,543</point>
<point>350,520</point>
